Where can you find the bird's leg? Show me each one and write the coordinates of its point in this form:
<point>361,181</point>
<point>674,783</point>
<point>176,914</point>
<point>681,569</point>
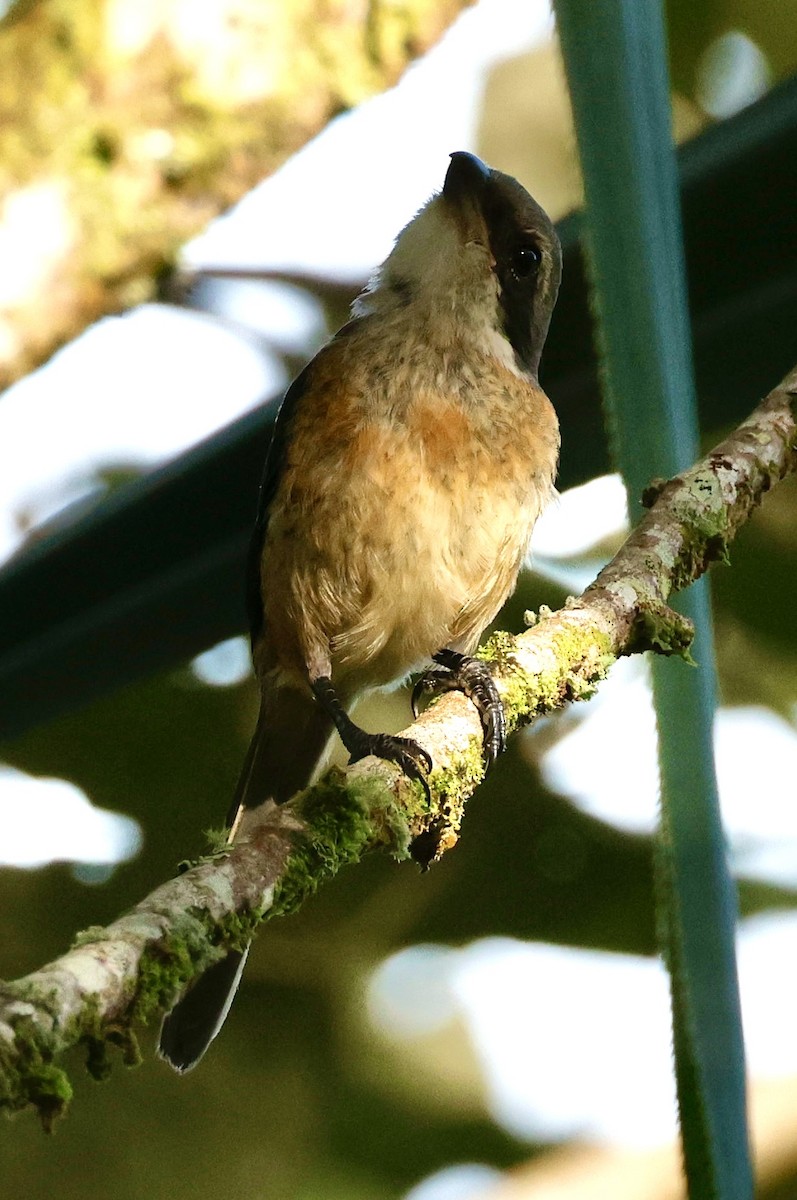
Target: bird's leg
<point>412,758</point>
<point>461,672</point>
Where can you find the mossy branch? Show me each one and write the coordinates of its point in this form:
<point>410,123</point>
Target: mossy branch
<point>120,139</point>
<point>137,967</point>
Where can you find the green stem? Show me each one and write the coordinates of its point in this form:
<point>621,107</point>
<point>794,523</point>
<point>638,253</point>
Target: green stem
<point>615,55</point>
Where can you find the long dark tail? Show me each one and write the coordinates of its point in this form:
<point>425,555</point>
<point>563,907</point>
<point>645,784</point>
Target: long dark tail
<point>289,743</point>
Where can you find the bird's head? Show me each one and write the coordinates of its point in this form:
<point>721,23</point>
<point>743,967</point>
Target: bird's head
<point>481,260</point>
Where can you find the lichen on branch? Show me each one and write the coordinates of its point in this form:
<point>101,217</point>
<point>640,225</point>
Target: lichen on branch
<point>137,967</point>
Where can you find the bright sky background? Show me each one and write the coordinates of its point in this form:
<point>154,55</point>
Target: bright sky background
<point>142,387</point>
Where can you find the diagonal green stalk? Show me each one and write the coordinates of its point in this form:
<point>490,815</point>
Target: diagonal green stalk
<point>615,56</point>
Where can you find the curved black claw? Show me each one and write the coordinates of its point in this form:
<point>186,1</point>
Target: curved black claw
<point>412,758</point>
<point>431,681</point>
<point>474,678</point>
<point>414,761</point>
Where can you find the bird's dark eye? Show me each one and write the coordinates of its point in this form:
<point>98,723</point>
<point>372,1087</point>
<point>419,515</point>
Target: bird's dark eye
<point>525,260</point>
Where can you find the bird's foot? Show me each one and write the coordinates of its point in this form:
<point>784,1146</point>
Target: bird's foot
<point>414,761</point>
<point>461,672</point>
<point>432,682</point>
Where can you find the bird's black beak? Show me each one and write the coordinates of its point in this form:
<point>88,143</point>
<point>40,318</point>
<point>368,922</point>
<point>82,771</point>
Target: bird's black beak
<point>466,178</point>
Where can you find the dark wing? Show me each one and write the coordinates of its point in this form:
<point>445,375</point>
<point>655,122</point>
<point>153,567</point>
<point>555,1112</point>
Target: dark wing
<point>272,473</point>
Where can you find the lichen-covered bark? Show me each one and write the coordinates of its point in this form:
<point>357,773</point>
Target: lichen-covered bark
<point>126,125</point>
<point>138,966</point>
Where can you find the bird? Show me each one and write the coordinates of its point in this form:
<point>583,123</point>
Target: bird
<point>408,464</point>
